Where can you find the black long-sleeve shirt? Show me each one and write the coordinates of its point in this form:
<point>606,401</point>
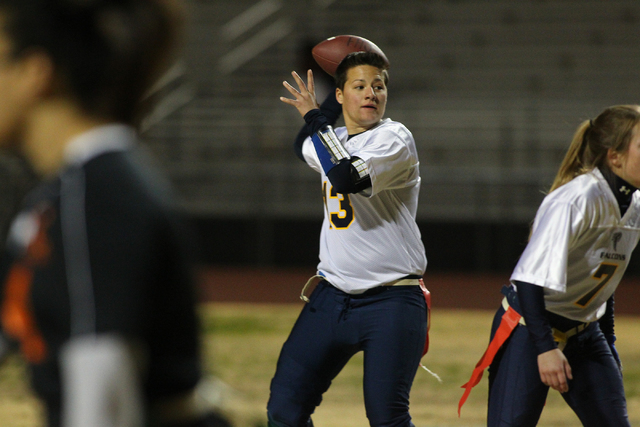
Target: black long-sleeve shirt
<point>100,251</point>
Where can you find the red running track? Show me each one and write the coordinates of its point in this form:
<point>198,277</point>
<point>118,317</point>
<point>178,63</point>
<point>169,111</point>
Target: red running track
<point>448,290</point>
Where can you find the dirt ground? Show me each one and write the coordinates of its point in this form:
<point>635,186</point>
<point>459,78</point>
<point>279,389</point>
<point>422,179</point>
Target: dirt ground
<point>448,290</point>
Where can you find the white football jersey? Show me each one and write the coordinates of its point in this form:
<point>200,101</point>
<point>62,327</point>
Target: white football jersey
<point>580,247</point>
<point>371,238</point>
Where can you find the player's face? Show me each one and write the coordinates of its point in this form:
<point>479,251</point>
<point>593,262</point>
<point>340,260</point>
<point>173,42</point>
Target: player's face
<point>363,99</point>
<point>627,165</point>
<point>16,94</point>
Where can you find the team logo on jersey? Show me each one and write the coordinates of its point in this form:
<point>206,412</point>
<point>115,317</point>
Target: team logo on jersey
<point>608,255</point>
<point>615,238</point>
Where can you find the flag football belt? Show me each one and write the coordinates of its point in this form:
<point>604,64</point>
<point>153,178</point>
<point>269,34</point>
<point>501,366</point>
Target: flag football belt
<point>404,282</point>
<point>558,336</point>
<point>510,319</point>
<point>562,337</point>
<point>399,282</point>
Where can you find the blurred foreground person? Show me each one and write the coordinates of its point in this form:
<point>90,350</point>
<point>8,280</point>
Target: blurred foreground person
<point>96,286</point>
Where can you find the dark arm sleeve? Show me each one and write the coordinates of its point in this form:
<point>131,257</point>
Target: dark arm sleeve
<point>607,320</point>
<point>531,299</point>
<point>330,109</point>
<point>344,178</point>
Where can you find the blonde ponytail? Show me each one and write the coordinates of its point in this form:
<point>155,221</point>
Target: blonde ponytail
<point>611,130</point>
<point>572,164</point>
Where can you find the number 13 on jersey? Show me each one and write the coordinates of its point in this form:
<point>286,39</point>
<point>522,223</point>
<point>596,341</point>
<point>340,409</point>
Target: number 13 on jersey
<point>338,206</point>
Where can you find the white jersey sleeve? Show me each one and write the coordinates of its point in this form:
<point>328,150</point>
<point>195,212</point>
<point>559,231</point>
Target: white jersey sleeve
<point>545,259</point>
<point>310,155</point>
<point>388,149</point>
<point>390,155</point>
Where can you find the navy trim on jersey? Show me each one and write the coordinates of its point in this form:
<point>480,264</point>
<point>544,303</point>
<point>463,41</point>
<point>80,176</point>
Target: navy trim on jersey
<point>622,190</point>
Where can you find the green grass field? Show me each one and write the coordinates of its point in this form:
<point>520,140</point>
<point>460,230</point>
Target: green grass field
<point>242,343</point>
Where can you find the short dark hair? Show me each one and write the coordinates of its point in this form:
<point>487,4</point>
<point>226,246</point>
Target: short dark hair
<point>356,59</point>
<point>106,53</point>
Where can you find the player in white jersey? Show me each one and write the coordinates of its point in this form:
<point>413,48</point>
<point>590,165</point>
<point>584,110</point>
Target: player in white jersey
<point>379,221</point>
<point>371,297</point>
<point>556,325</point>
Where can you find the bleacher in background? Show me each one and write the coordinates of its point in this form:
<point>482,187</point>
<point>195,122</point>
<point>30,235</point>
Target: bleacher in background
<point>492,91</point>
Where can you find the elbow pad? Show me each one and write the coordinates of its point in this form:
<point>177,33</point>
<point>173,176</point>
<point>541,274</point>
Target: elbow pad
<point>359,168</point>
<point>328,147</point>
<point>350,176</point>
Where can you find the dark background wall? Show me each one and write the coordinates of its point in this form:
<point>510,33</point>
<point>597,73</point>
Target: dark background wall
<point>492,91</point>
<point>451,246</point>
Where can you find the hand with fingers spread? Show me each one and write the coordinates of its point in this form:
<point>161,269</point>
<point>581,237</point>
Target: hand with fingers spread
<point>305,97</point>
<point>555,370</point>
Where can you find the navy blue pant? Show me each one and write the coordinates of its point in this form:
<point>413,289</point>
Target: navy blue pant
<point>389,324</point>
<point>517,395</point>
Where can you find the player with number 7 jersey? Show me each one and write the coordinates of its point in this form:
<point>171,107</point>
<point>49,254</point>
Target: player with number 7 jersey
<point>583,213</point>
<point>555,327</point>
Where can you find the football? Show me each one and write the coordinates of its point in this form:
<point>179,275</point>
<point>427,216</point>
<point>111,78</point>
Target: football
<point>328,53</point>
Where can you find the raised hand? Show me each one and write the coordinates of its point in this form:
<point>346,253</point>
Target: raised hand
<point>305,97</point>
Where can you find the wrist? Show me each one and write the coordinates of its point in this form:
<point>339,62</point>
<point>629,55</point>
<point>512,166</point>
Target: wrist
<point>545,344</point>
<point>315,120</point>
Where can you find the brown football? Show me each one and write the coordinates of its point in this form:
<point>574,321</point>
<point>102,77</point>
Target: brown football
<point>328,53</point>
